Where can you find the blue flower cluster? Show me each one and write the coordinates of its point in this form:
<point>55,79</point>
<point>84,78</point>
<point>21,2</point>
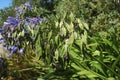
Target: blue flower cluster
<point>18,32</point>
<point>23,8</point>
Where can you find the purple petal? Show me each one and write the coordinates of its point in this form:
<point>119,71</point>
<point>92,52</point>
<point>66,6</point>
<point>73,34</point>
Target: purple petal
<point>5,26</point>
<point>12,21</point>
<point>27,4</point>
<point>1,40</point>
<point>10,55</point>
<point>1,30</point>
<point>35,20</point>
<point>21,51</point>
<point>13,49</point>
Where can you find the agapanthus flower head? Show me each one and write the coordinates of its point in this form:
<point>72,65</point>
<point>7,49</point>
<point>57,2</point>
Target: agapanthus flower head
<point>5,26</point>
<point>19,11</point>
<point>34,20</point>
<point>27,4</point>
<point>19,30</point>
<point>12,21</point>
<point>22,8</point>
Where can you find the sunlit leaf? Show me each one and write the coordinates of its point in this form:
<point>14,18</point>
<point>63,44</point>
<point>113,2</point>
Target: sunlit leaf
<point>70,27</point>
<point>97,65</point>
<point>87,73</point>
<point>49,35</point>
<point>63,31</point>
<point>111,45</point>
<point>96,53</point>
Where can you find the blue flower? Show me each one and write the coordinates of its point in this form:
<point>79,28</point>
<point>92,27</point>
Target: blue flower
<point>35,20</point>
<point>19,11</point>
<point>5,25</point>
<point>13,49</point>
<point>12,21</point>
<point>21,51</point>
<point>22,8</point>
<point>32,20</point>
<point>19,25</point>
<point>27,4</point>
<point>1,30</point>
<point>10,55</point>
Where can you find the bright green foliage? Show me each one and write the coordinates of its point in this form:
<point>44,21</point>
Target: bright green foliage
<point>4,13</point>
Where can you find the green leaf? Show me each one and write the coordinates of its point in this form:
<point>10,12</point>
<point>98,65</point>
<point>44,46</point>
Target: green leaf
<point>61,23</point>
<point>76,67</point>
<point>63,31</point>
<point>63,50</point>
<point>111,78</point>
<point>71,16</point>
<point>84,37</point>
<point>96,53</point>
<point>87,73</point>
<point>49,35</point>
<point>86,26</point>
<point>56,24</point>
<point>57,39</point>
<point>70,27</point>
<point>40,79</point>
<point>97,65</point>
<point>75,35</point>
<point>56,54</point>
<point>71,39</point>
<point>80,24</point>
<point>15,33</point>
<point>115,62</point>
<point>111,45</point>
<point>74,54</point>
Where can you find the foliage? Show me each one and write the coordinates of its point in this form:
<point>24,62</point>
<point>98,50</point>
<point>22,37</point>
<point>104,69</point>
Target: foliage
<point>4,13</point>
<point>77,40</point>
